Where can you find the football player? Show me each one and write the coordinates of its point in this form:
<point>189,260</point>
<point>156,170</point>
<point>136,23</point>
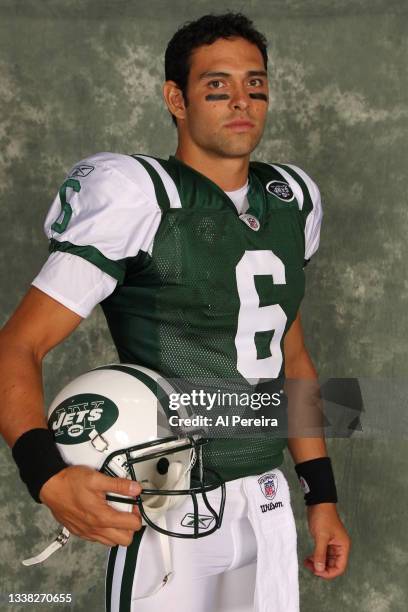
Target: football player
<point>198,263</point>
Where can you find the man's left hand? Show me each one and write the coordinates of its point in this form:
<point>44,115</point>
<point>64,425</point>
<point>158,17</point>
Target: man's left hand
<point>332,542</point>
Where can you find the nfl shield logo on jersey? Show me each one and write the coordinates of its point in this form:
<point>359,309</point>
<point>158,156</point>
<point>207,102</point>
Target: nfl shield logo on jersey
<point>281,190</point>
<point>269,485</point>
<point>250,221</point>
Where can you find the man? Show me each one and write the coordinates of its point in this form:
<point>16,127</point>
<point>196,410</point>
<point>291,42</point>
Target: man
<point>198,264</point>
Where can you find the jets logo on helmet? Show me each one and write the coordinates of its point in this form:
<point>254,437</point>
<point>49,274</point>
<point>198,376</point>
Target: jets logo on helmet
<point>72,421</point>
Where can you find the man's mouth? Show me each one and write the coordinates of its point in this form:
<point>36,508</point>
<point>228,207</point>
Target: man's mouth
<point>240,125</point>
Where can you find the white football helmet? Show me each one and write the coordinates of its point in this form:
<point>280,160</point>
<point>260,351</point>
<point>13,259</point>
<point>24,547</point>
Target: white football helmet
<point>115,419</point>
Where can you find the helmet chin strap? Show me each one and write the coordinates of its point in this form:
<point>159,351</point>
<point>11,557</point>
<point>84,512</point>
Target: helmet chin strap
<point>176,473</point>
<point>166,556</point>
<point>158,514</point>
<point>60,541</point>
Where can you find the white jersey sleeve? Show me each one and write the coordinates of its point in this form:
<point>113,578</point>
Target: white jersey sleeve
<point>308,197</point>
<point>105,211</point>
<point>314,217</point>
<point>74,282</point>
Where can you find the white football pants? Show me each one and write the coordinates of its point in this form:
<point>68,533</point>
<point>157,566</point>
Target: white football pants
<point>258,526</point>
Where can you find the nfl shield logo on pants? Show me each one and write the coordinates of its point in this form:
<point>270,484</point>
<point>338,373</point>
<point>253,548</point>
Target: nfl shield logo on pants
<point>269,485</point>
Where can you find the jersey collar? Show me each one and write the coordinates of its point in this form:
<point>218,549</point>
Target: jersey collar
<point>256,194</point>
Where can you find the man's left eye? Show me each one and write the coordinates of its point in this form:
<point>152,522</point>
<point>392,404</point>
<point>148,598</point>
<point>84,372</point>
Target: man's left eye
<point>256,82</point>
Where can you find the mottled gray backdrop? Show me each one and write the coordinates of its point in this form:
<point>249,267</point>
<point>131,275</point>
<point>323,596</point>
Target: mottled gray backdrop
<point>80,76</point>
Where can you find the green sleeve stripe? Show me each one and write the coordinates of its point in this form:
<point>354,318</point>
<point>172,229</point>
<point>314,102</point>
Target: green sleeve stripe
<point>116,269</point>
<point>159,188</point>
<point>307,202</point>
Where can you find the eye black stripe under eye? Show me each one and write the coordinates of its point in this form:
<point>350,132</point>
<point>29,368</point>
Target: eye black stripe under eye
<point>259,96</point>
<point>215,97</point>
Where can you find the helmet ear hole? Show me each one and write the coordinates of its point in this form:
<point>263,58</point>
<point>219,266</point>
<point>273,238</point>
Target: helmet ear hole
<point>163,466</point>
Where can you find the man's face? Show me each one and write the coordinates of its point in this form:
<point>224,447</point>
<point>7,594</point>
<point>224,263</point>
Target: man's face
<point>227,94</point>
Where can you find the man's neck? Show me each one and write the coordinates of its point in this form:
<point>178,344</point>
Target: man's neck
<point>229,173</point>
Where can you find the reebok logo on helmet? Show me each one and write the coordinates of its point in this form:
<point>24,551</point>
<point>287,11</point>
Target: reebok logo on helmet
<point>204,520</point>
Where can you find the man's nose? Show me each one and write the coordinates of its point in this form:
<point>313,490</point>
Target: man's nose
<point>239,98</point>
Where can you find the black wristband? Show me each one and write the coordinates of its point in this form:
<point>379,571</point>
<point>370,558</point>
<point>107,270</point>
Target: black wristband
<point>37,458</point>
<point>317,481</point>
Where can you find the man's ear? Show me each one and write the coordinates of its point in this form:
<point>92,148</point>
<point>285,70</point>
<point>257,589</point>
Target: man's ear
<point>174,99</point>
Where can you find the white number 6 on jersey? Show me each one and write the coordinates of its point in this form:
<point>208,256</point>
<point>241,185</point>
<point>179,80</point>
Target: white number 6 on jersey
<point>253,318</point>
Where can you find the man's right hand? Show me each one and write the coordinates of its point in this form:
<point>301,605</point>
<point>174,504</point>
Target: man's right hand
<point>76,495</point>
<point>76,498</point>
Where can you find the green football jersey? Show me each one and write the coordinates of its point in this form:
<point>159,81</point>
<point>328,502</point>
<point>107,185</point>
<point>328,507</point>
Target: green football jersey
<point>202,292</point>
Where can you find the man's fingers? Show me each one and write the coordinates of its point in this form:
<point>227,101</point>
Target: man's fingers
<point>329,573</point>
<point>338,556</point>
<point>105,541</point>
<point>331,542</point>
<point>114,537</point>
<point>121,520</point>
<point>136,510</point>
<point>308,562</point>
<point>77,500</point>
<point>109,537</point>
<point>100,517</point>
<point>121,486</point>
<point>320,551</point>
<point>335,564</point>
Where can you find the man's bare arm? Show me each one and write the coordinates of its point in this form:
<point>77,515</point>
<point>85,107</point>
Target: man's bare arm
<point>38,324</point>
<point>331,541</point>
<point>75,495</point>
<point>302,381</point>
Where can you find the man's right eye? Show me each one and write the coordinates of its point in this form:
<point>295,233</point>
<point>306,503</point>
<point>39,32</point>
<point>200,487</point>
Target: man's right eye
<point>216,84</point>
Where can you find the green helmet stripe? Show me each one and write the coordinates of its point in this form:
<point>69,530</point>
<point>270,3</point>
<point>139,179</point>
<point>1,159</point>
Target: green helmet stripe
<point>149,381</point>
